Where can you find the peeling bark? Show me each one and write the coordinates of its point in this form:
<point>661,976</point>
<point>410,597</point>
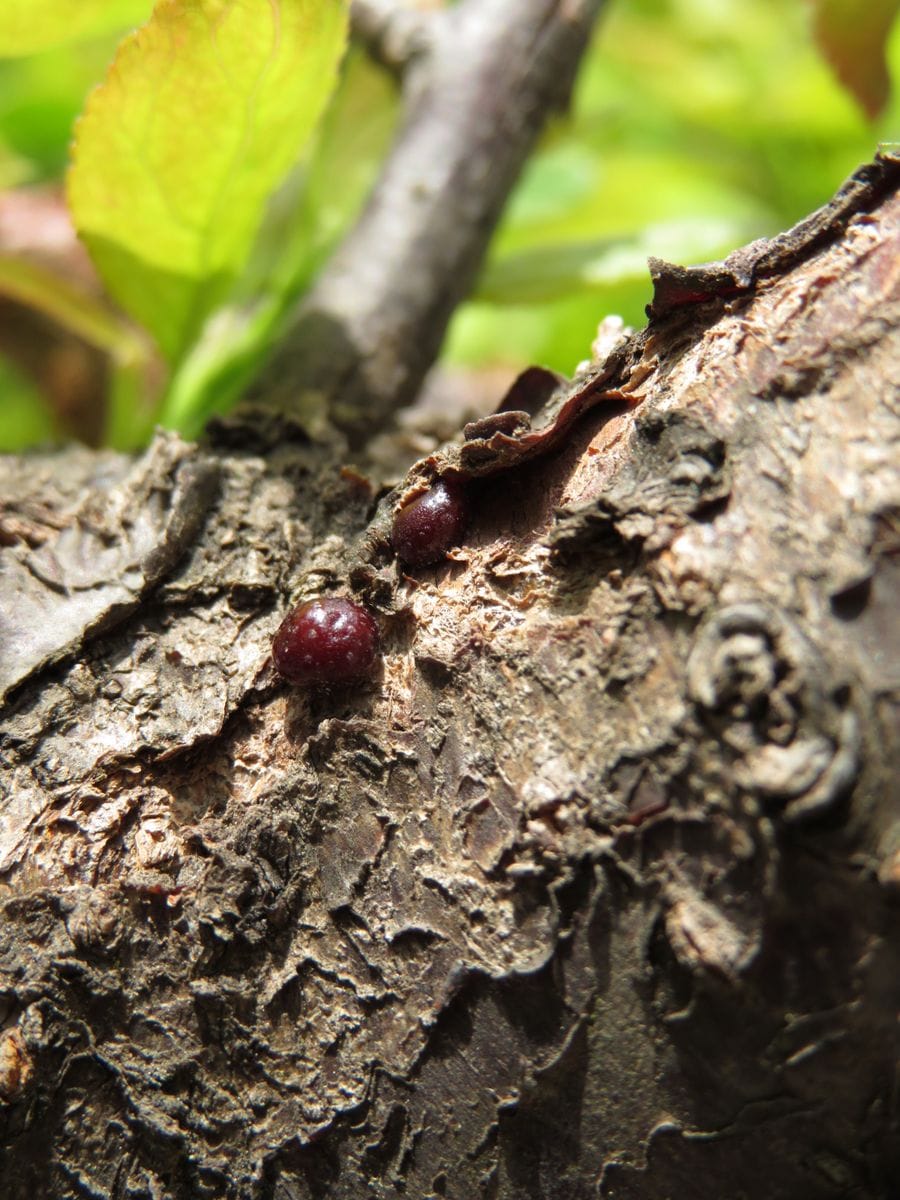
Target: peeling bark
<point>591,892</point>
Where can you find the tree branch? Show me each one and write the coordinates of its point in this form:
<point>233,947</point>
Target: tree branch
<point>477,95</point>
<point>392,32</point>
<point>618,802</point>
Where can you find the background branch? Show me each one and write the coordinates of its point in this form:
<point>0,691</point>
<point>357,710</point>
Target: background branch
<point>392,32</point>
<point>477,96</point>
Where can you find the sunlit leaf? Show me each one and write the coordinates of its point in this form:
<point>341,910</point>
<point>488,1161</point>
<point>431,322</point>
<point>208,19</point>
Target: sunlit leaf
<point>853,37</point>
<point>202,113</point>
<point>304,221</point>
<point>30,26</point>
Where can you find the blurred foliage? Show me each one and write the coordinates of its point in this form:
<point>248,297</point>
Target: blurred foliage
<point>40,97</point>
<point>30,26</point>
<point>696,126</point>
<point>24,419</point>
<point>853,38</point>
<point>200,117</point>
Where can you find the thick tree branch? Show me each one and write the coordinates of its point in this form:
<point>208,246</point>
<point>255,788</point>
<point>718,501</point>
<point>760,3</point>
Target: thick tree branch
<point>591,890</point>
<point>476,98</point>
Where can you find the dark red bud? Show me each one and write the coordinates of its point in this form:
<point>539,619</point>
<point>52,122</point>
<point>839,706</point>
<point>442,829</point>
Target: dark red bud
<point>426,528</point>
<point>328,640</point>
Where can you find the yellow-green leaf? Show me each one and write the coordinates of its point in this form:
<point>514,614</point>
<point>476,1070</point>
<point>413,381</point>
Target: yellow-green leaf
<point>201,115</point>
<point>853,36</point>
<point>29,26</point>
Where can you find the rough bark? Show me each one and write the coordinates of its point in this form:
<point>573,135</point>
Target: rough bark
<point>592,891</point>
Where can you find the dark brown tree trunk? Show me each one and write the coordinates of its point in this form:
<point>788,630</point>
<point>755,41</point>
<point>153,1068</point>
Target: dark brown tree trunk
<point>591,891</point>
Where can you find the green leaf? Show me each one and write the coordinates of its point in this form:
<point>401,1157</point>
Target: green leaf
<point>219,364</point>
<point>30,26</point>
<point>853,38</point>
<point>202,113</point>
<point>304,221</point>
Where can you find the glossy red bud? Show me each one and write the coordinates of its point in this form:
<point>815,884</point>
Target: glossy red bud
<point>327,640</point>
<point>426,528</point>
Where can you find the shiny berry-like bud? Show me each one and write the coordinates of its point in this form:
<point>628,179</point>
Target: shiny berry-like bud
<point>328,640</point>
<point>426,528</point>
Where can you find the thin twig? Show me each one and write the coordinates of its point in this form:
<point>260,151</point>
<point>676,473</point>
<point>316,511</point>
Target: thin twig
<point>477,96</point>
